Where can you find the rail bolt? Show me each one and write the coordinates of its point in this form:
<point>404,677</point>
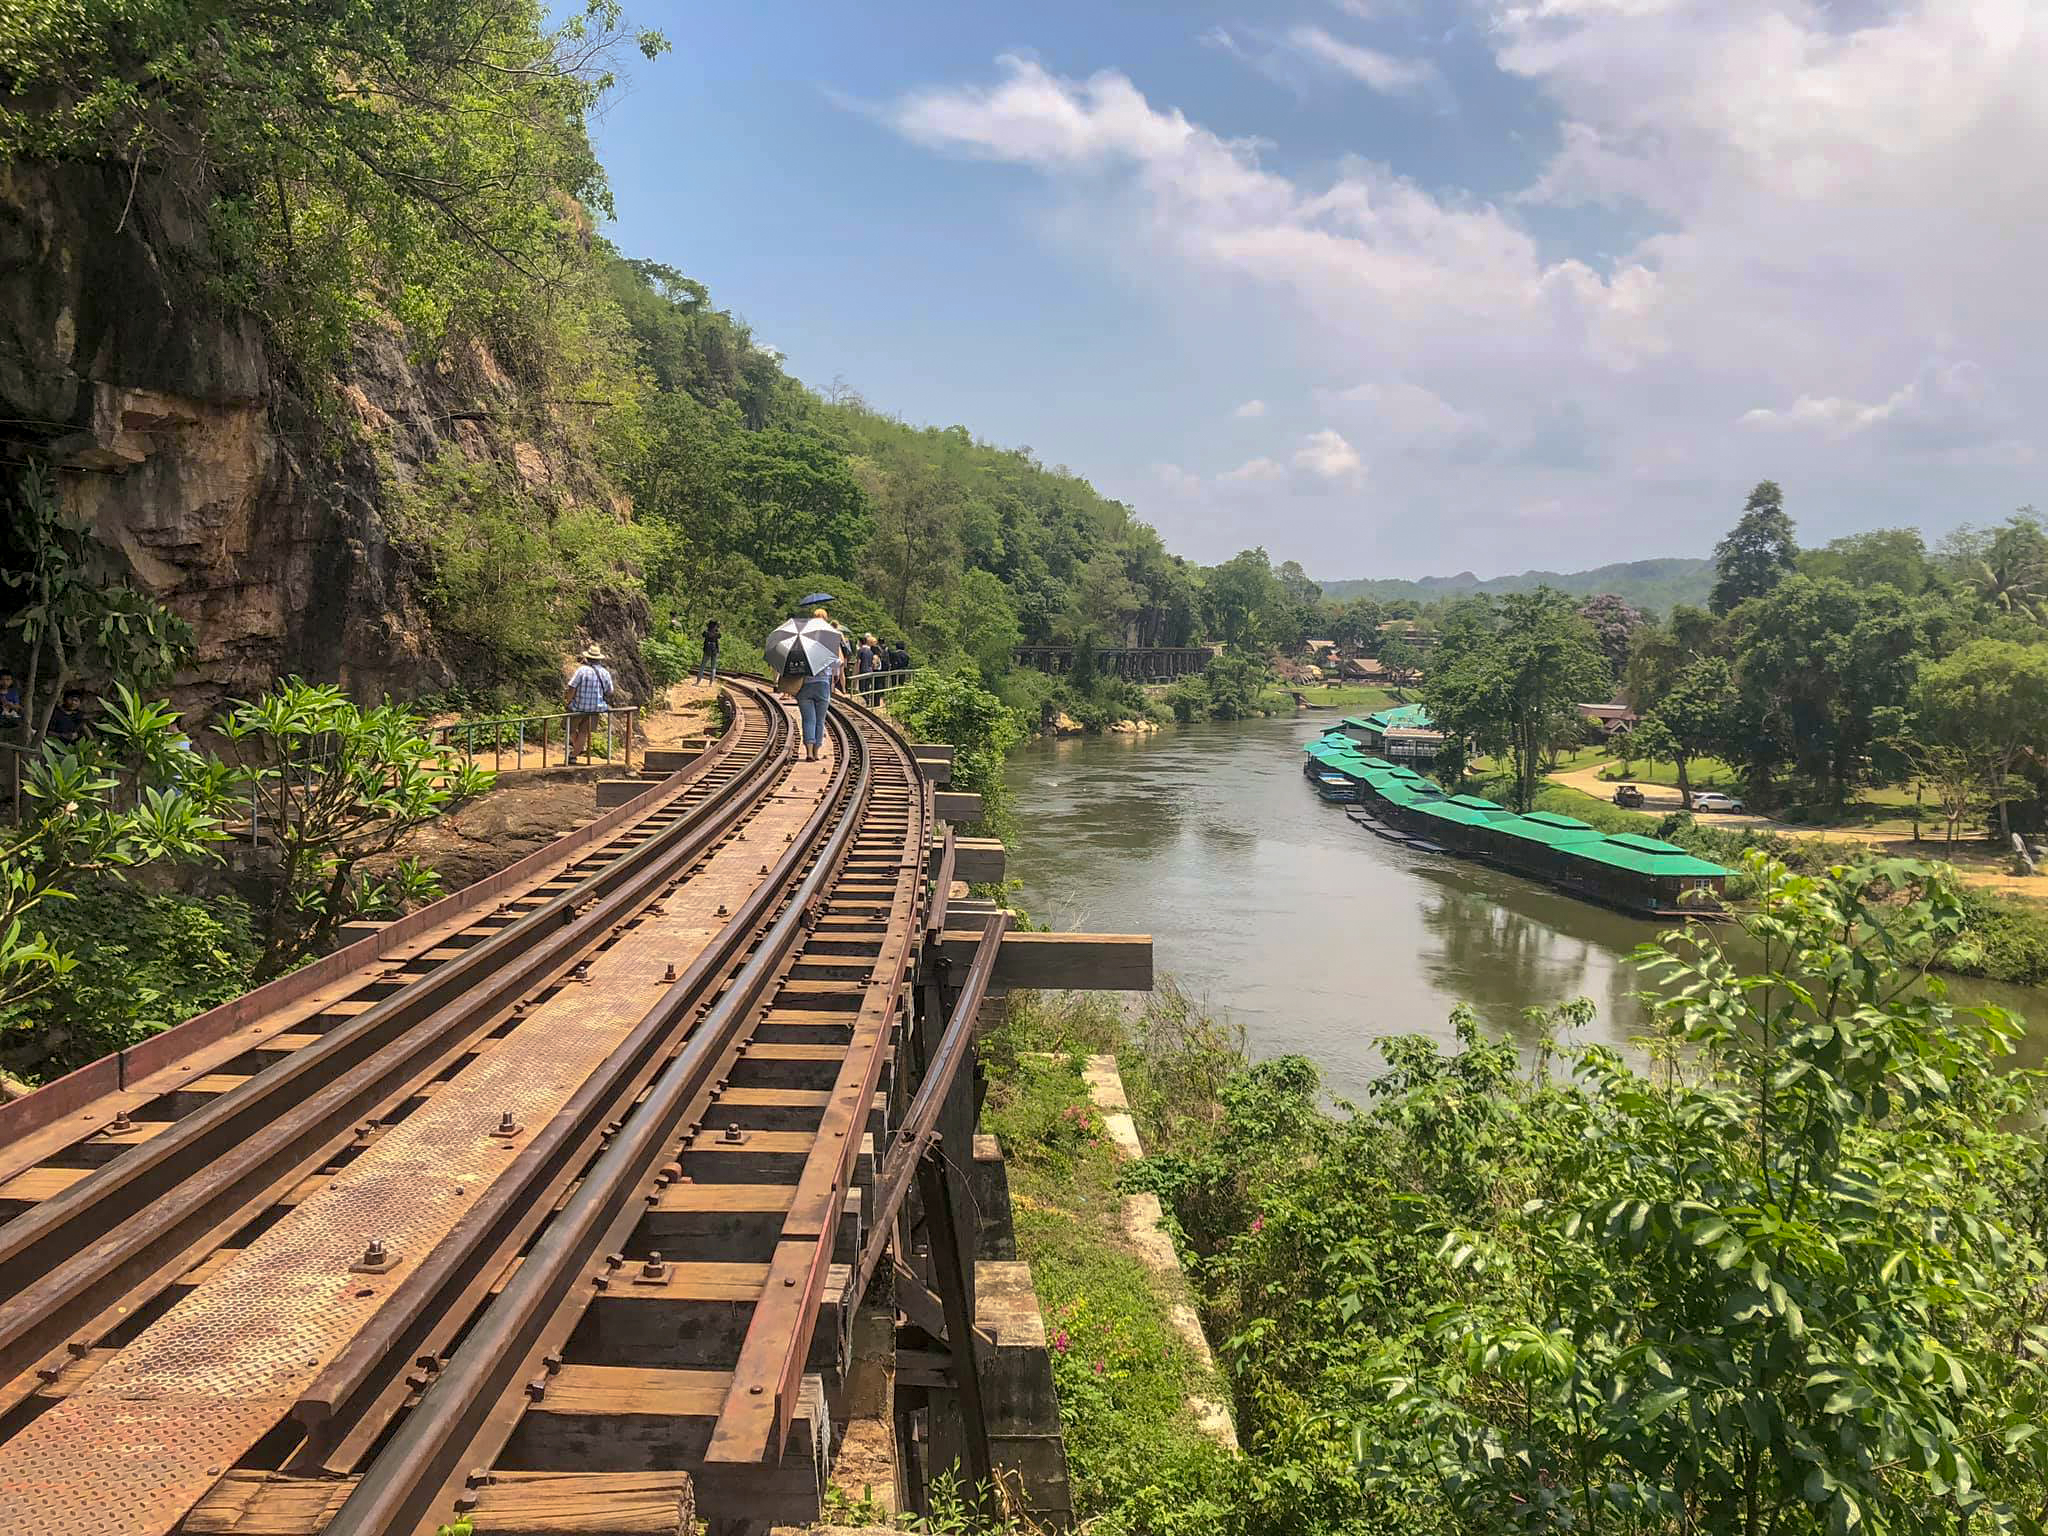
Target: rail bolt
<point>120,1125</point>
<point>721,910</point>
<point>654,1269</point>
<point>378,1256</point>
<point>669,974</point>
<point>733,1135</point>
<point>764,869</point>
<point>507,1126</point>
<point>582,971</point>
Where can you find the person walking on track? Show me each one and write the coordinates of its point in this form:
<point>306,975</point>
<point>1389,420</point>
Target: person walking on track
<point>588,695</point>
<point>707,669</point>
<point>814,697</point>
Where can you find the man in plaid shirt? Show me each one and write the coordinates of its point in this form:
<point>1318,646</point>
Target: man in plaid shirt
<point>588,695</point>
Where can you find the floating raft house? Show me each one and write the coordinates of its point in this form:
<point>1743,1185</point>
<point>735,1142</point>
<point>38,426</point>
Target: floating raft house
<point>1638,874</point>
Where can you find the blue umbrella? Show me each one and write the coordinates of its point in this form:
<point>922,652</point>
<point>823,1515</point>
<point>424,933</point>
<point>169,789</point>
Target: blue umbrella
<point>816,600</point>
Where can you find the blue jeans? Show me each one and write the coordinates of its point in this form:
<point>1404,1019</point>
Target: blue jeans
<point>812,700</point>
<point>708,667</point>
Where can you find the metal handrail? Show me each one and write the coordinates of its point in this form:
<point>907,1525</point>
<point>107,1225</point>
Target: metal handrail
<point>876,685</point>
<point>512,731</point>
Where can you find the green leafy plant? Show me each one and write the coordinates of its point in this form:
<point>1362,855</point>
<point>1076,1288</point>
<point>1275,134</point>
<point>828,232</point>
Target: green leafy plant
<point>337,784</point>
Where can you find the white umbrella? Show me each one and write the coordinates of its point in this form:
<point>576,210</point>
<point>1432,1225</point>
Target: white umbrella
<point>814,639</point>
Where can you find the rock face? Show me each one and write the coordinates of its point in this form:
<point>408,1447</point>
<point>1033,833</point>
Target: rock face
<point>184,442</point>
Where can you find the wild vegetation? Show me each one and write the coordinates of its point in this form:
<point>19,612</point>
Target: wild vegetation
<point>1782,1272</point>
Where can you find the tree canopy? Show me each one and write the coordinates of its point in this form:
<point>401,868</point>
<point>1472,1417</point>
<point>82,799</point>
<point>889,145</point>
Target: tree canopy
<point>1509,676</point>
<point>1757,553</point>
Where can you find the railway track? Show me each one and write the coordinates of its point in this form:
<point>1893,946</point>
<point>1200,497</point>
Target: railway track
<point>544,1200</point>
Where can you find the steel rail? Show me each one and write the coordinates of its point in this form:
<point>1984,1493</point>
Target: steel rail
<point>65,1262</point>
<point>942,887</point>
<point>761,1401</point>
<point>920,1121</point>
<point>123,1070</point>
<point>427,1451</point>
<point>363,1387</point>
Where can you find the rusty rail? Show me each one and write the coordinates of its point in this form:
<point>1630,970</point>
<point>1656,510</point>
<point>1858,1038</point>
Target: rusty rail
<point>112,1073</point>
<point>920,1121</point>
<point>70,1258</point>
<point>539,1305</point>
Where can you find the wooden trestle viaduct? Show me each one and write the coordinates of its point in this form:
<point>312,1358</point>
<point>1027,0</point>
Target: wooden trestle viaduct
<point>597,1197</point>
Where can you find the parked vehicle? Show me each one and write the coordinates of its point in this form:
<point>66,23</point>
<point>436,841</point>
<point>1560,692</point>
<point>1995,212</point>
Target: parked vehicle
<point>1629,796</point>
<point>1714,800</point>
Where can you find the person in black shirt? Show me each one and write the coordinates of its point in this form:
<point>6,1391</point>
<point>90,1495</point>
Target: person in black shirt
<point>899,657</point>
<point>707,669</point>
<point>67,720</point>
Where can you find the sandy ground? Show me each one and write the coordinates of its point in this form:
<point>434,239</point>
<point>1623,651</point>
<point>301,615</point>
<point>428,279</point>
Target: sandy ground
<point>1977,863</point>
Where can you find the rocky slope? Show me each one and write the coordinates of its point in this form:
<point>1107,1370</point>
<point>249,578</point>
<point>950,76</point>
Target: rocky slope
<point>186,444</point>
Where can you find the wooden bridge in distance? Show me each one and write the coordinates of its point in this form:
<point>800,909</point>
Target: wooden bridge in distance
<point>1135,663</point>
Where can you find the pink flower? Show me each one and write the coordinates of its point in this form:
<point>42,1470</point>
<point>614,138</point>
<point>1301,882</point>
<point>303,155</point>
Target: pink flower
<point>1098,1367</point>
<point>1258,1223</point>
<point>1059,1341</point>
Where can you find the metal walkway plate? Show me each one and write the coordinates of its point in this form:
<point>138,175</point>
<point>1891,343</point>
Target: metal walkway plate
<point>138,1444</point>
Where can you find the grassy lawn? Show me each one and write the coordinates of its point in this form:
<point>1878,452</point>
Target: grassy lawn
<point>1704,772</point>
<point>1578,757</point>
<point>1124,1376</point>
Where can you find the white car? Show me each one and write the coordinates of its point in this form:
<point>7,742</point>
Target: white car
<point>1714,800</point>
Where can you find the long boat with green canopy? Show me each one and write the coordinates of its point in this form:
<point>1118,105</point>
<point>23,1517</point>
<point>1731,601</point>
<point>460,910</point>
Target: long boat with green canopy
<point>1635,873</point>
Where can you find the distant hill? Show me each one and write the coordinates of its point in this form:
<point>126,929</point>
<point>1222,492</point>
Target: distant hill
<point>1657,584</point>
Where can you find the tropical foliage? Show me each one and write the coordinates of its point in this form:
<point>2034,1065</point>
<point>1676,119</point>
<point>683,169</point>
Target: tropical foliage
<point>1786,1276</point>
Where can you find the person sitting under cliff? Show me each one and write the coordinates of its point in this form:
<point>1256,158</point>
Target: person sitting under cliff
<point>68,722</point>
<point>588,695</point>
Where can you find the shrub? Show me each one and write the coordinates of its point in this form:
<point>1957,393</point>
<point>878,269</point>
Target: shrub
<point>144,963</point>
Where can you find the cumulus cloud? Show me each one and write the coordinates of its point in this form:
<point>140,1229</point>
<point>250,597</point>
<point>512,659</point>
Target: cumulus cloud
<point>1176,480</point>
<point>1784,209</point>
<point>1254,472</point>
<point>1249,409</point>
<point>1948,410</point>
<point>1371,255</point>
<point>1327,456</point>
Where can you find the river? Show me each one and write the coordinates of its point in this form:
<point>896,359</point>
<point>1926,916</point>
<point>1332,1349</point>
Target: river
<point>1270,907</point>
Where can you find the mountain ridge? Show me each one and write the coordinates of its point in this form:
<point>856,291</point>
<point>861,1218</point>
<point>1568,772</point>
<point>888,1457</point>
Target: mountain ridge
<point>1657,583</point>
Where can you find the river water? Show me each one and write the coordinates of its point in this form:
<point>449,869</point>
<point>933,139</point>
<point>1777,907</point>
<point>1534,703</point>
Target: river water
<point>1272,908</point>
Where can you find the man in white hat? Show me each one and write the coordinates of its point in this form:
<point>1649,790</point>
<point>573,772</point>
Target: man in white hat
<point>588,695</point>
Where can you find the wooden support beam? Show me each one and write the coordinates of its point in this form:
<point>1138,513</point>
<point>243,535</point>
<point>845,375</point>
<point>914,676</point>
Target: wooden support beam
<point>671,759</point>
<point>977,860</point>
<point>936,770</point>
<point>957,805</point>
<point>1056,962</point>
<point>510,1504</point>
<point>937,752</point>
<point>616,792</point>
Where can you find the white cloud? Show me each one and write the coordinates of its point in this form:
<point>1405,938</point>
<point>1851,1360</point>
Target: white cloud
<point>1368,66</point>
<point>1328,456</point>
<point>1794,219</point>
<point>1177,481</point>
<point>1249,409</point>
<point>1369,257</point>
<point>1254,472</point>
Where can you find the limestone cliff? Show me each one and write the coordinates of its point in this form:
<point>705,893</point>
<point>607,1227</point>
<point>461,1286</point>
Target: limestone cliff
<point>194,453</point>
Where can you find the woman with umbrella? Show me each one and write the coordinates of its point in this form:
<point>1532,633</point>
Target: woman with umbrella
<point>809,652</point>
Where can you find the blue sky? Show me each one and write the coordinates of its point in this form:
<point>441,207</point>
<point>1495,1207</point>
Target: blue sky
<point>1392,287</point>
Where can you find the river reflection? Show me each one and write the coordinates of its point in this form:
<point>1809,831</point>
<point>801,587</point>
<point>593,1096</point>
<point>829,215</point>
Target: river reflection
<point>1273,907</point>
